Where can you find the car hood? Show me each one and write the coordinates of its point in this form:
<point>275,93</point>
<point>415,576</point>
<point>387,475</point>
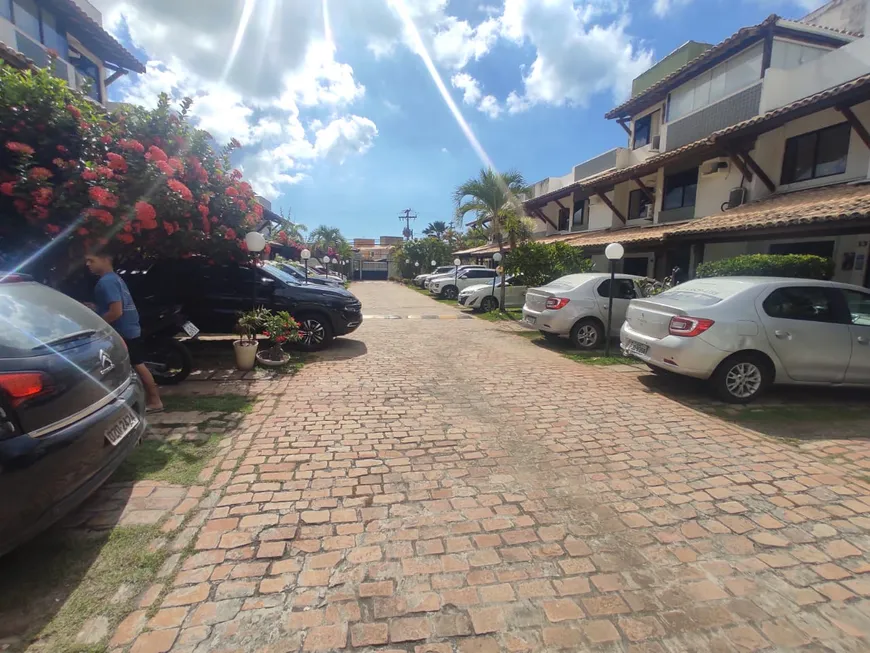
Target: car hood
<point>328,291</point>
<point>476,287</point>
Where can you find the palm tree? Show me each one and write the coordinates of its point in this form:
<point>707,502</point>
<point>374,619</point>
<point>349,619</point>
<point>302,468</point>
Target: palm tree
<point>492,197</point>
<point>436,229</point>
<point>325,238</point>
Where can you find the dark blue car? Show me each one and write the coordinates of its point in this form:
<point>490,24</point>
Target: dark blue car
<point>71,408</point>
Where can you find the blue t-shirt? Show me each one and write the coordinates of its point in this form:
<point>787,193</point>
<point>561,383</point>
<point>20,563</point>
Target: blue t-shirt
<point>110,289</point>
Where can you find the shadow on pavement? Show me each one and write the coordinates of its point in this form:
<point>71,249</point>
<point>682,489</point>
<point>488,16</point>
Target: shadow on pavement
<point>343,349</point>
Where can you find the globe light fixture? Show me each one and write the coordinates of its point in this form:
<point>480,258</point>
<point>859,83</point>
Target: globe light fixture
<point>613,252</point>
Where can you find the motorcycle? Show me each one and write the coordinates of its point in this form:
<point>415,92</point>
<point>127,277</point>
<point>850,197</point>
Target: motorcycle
<point>168,359</point>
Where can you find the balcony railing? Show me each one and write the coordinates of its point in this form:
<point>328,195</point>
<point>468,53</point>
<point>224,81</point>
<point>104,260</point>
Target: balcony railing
<point>724,113</point>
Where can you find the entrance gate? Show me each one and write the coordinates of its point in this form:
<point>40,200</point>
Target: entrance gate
<point>373,270</point>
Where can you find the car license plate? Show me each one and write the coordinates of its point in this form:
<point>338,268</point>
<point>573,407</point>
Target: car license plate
<point>531,320</point>
<point>190,329</point>
<point>636,348</point>
<point>122,427</point>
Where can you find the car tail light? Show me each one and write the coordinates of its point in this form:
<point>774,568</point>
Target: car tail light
<point>555,303</point>
<point>22,385</point>
<point>688,327</point>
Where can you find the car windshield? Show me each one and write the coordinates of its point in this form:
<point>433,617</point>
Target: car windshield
<point>33,316</point>
<point>701,292</point>
<point>279,274</point>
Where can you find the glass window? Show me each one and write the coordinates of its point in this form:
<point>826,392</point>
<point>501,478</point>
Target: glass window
<point>717,84</point>
<point>787,55</point>
<point>743,70</point>
<point>817,154</point>
<point>564,218</point>
<point>702,90</point>
<point>624,289</point>
<point>25,15</point>
<point>682,101</point>
<point>579,215</point>
<point>859,307</point>
<point>89,74</point>
<point>808,303</point>
<point>6,9</point>
<point>680,189</point>
<point>642,131</point>
<point>52,36</point>
<point>638,204</point>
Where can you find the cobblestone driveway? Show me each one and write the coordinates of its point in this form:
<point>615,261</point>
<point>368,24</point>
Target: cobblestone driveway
<point>435,485</point>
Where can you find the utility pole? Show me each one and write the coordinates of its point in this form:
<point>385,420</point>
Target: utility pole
<point>407,216</point>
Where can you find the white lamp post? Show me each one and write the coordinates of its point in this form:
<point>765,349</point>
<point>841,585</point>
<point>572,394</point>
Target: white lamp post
<point>434,263</point>
<point>614,252</point>
<point>256,243</point>
<point>305,254</point>
<point>456,263</point>
<point>325,261</point>
<point>496,258</point>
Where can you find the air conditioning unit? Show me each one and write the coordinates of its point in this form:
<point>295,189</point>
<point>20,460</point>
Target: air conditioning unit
<point>737,197</point>
<point>656,142</point>
<point>714,167</point>
<point>646,213</point>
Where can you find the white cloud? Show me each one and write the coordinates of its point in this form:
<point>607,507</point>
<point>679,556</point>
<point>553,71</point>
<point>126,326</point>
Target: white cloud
<point>285,65</point>
<point>662,8</point>
<point>472,95</point>
<point>444,150</point>
<point>490,106</point>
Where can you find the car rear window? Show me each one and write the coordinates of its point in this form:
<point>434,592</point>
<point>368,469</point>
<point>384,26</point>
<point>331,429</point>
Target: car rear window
<point>568,282</point>
<point>700,293</point>
<point>32,314</point>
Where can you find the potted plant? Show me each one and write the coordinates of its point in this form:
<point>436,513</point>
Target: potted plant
<point>279,329</point>
<point>248,325</point>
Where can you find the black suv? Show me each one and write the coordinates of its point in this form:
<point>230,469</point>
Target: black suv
<point>212,297</point>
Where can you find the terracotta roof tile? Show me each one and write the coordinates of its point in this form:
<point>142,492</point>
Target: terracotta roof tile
<point>653,233</point>
<point>831,203</point>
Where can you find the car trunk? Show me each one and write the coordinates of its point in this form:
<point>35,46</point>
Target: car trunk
<point>536,299</point>
<point>651,318</point>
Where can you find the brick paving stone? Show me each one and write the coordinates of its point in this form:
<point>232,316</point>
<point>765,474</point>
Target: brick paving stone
<point>424,486</point>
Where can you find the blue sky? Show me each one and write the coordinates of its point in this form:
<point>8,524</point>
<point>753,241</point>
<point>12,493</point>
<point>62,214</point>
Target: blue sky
<point>344,126</point>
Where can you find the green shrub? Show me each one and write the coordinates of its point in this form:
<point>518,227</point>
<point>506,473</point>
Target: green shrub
<point>541,263</point>
<point>802,266</point>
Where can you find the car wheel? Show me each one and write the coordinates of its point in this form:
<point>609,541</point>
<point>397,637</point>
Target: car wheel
<point>169,361</point>
<point>551,337</point>
<point>488,304</point>
<point>587,334</point>
<point>315,332</point>
<point>450,292</point>
<point>742,378</point>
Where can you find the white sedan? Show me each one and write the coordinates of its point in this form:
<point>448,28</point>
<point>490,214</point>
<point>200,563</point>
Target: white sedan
<point>485,297</point>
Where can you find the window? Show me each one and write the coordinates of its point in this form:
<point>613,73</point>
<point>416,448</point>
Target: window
<point>52,36</point>
<point>680,190</point>
<point>579,222</point>
<point>642,131</point>
<point>564,217</point>
<point>808,303</point>
<point>823,248</point>
<point>638,205</point>
<point>817,154</point>
<point>859,307</point>
<point>6,10</point>
<point>89,73</point>
<point>728,77</point>
<point>787,55</point>
<point>624,289</point>
<point>25,15</point>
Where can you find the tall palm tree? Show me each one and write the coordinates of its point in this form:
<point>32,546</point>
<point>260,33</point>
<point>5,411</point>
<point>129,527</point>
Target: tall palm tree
<point>492,198</point>
<point>325,238</point>
<point>436,229</point>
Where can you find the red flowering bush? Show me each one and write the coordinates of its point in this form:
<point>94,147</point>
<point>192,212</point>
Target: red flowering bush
<point>145,180</point>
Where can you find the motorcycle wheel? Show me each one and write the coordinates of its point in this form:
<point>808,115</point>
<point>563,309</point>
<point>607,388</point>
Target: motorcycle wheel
<point>169,361</point>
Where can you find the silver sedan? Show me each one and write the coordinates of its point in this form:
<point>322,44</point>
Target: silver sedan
<point>745,333</point>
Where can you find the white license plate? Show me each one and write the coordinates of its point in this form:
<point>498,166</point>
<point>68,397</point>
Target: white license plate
<point>121,428</point>
<point>636,348</point>
<point>531,320</point>
<point>190,329</point>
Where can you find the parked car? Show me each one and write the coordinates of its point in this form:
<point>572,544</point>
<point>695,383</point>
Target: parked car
<point>420,279</point>
<point>298,273</point>
<point>576,306</point>
<point>745,333</point>
<point>71,408</point>
<point>448,286</point>
<point>212,297</point>
<point>486,296</point>
<point>452,272</point>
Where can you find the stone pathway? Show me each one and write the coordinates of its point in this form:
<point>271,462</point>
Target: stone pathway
<point>431,486</point>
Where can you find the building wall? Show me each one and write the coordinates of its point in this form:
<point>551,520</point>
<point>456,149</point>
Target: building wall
<point>713,190</point>
<point>596,164</point>
<point>849,15</point>
<point>600,215</point>
<point>671,63</point>
<point>770,149</point>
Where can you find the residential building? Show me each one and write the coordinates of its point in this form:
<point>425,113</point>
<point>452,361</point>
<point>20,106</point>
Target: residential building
<point>758,144</point>
<point>68,36</point>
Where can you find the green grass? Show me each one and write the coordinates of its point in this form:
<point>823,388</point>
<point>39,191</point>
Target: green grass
<point>177,462</point>
<point>510,315</point>
<point>596,358</point>
<point>51,586</point>
<point>229,403</point>
<point>791,413</point>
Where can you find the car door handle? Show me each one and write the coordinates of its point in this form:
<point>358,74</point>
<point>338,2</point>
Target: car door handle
<point>862,340</point>
<point>782,335</point>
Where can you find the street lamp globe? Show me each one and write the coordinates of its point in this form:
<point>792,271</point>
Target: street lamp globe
<point>457,262</point>
<point>434,262</point>
<point>305,254</point>
<point>255,242</point>
<point>325,260</point>
<point>416,264</point>
<point>614,252</point>
<point>497,257</point>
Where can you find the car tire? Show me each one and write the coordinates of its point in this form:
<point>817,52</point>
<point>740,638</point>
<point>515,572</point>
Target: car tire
<point>553,338</point>
<point>169,361</point>
<point>318,332</point>
<point>587,334</point>
<point>488,304</point>
<point>742,378</point>
<point>450,292</point>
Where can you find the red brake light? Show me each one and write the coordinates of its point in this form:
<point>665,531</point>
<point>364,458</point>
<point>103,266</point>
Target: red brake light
<point>14,277</point>
<point>688,327</point>
<point>555,303</point>
<point>22,385</point>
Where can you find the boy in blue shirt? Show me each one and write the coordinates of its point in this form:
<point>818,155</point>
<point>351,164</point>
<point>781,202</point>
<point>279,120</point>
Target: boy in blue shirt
<point>115,305</point>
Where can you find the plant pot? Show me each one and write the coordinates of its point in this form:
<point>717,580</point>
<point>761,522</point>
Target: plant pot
<point>265,361</point>
<point>246,354</point>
